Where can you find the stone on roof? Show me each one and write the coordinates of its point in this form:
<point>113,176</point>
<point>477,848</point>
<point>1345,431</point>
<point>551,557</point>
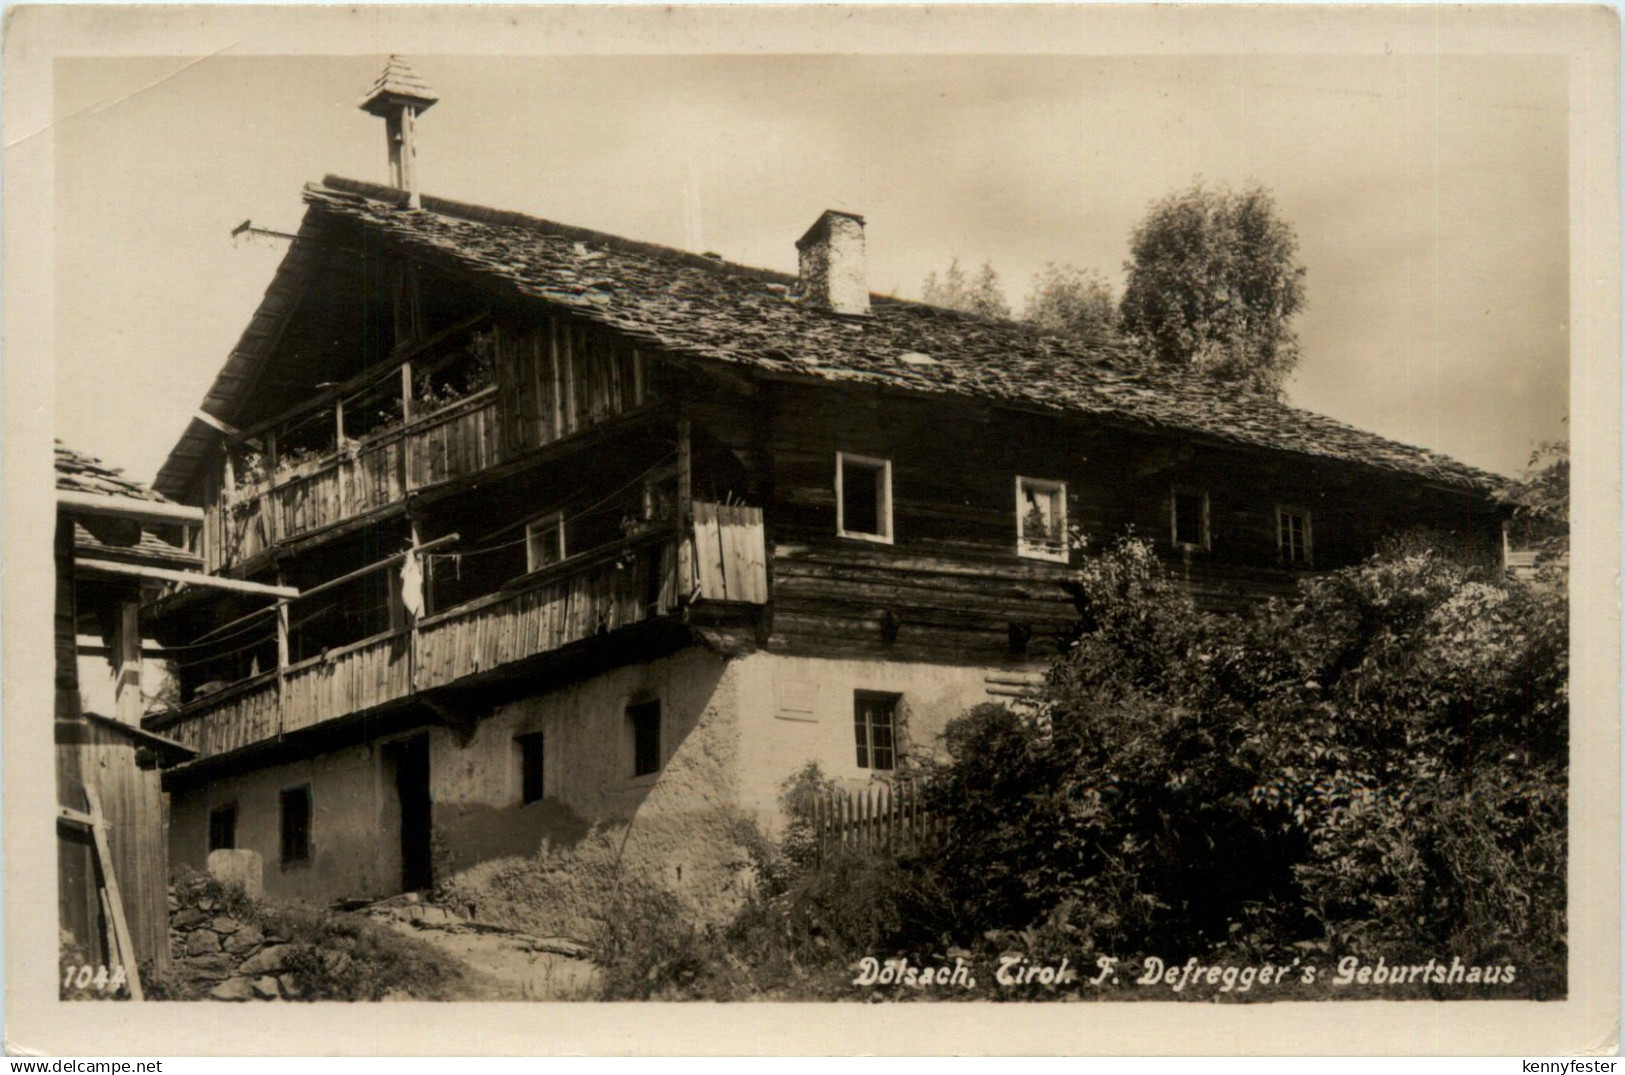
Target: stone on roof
<point>702,308</point>
<point>81,473</point>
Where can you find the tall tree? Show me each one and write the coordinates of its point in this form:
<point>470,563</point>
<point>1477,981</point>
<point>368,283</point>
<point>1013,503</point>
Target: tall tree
<point>1072,302</point>
<point>956,290</point>
<point>1213,282</point>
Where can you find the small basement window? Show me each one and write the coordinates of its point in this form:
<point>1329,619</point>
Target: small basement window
<point>1041,518</point>
<point>874,722</point>
<point>1294,536</point>
<point>295,824</point>
<point>531,787</point>
<point>863,498</point>
<point>645,721</point>
<point>223,827</point>
<point>544,541</point>
<point>1189,510</point>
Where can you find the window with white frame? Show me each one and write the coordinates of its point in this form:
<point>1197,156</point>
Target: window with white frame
<point>1188,518</point>
<point>863,497</point>
<point>544,541</point>
<point>1041,518</point>
<point>1294,535</point>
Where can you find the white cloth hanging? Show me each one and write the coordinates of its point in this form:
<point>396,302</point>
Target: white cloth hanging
<point>412,584</point>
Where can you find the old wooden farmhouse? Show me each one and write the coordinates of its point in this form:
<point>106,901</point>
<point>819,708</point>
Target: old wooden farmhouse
<point>586,530</point>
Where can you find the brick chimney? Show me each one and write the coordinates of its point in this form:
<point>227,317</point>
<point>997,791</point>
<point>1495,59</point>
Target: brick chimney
<point>399,96</point>
<point>834,274</point>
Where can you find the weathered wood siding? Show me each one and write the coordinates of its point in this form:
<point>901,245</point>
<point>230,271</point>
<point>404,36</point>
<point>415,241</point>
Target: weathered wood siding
<point>555,378</point>
<point>575,601</point>
<point>243,713</point>
<point>133,810</point>
<point>730,558</point>
<point>352,679</point>
<point>558,377</point>
<point>456,442</point>
<point>952,582</point>
<point>547,614</point>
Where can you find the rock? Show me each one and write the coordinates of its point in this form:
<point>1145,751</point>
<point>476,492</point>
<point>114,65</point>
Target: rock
<point>266,986</point>
<point>244,941</point>
<point>191,918</point>
<point>396,995</point>
<point>267,960</point>
<point>336,963</point>
<point>239,866</point>
<point>205,904</point>
<point>211,968</point>
<point>290,986</point>
<point>224,924</point>
<point>233,989</point>
<point>201,942</point>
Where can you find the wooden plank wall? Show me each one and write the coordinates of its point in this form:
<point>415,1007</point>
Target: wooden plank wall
<point>132,804</point>
<point>458,442</point>
<point>952,579</point>
<point>558,376</point>
<point>351,680</point>
<point>555,377</point>
<point>729,555</point>
<point>547,616</point>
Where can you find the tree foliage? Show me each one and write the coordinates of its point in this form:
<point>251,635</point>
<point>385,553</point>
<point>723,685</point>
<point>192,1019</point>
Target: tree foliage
<point>1072,302</point>
<point>1540,500</point>
<point>1378,767</point>
<point>956,289</point>
<point>1214,282</point>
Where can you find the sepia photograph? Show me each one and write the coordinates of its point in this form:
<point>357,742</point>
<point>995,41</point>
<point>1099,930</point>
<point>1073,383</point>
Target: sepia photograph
<point>887,506</point>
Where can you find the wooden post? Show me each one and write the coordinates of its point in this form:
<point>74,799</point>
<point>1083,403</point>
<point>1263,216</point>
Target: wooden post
<point>338,422</point>
<point>685,511</point>
<point>281,661</point>
<point>567,371</point>
<point>127,663</point>
<point>273,520</point>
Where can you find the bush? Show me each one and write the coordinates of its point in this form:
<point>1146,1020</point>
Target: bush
<point>1385,754</point>
<point>1375,768</point>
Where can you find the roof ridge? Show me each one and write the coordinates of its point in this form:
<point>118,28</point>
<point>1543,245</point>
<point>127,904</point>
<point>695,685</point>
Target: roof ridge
<point>480,214</point>
<point>508,218</point>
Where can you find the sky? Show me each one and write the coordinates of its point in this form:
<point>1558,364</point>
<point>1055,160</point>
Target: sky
<point>1429,195</point>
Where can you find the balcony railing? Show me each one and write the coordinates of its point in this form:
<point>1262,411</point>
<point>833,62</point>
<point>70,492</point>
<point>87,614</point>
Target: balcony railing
<point>632,581</point>
<point>454,442</point>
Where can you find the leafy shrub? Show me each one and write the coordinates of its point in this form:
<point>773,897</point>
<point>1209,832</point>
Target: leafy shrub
<point>1379,763</point>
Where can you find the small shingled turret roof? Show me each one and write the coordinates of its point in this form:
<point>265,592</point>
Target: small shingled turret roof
<point>398,83</point>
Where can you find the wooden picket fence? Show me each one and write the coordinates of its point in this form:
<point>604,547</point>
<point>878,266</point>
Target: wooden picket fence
<point>880,817</point>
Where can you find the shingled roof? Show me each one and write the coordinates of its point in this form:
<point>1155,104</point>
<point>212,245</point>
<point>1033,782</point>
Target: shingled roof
<point>80,473</point>
<point>703,308</point>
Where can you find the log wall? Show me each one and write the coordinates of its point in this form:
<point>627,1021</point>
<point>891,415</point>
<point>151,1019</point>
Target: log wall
<point>952,582</point>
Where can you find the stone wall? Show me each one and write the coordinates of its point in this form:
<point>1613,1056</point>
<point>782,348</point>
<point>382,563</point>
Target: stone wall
<point>220,956</point>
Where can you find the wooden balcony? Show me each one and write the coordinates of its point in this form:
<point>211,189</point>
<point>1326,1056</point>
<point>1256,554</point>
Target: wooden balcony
<point>631,582</point>
<point>454,442</point>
